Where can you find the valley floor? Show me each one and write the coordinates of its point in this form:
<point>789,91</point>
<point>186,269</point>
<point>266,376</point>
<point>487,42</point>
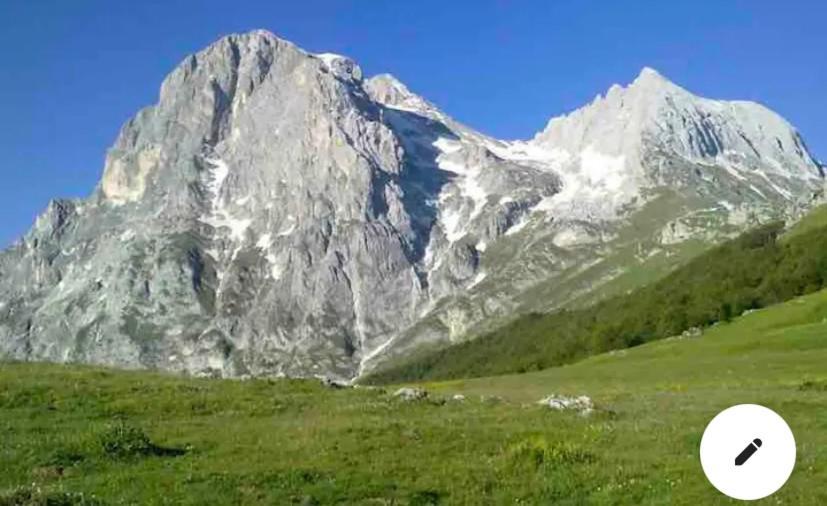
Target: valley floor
<point>94,436</point>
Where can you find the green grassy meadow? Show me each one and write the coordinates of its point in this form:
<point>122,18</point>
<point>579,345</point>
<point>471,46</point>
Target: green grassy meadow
<point>80,435</point>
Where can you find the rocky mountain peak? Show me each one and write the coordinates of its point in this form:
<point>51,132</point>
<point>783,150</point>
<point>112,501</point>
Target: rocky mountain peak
<point>388,90</point>
<point>650,78</point>
<point>274,213</point>
<point>648,89</point>
<point>635,125</point>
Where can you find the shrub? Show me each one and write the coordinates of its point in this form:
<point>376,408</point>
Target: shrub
<point>122,441</point>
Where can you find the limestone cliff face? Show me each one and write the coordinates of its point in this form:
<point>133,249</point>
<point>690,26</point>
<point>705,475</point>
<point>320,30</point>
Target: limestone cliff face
<point>276,214</point>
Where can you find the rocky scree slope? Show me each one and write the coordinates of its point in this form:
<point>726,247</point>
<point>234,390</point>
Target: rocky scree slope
<point>277,214</point>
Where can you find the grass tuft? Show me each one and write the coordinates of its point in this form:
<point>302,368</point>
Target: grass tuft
<point>539,452</point>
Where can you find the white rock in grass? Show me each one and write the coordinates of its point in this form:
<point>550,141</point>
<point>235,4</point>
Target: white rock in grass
<point>583,403</point>
<point>410,394</point>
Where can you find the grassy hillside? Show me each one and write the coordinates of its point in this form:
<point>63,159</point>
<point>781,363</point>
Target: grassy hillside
<point>77,435</point>
<point>753,271</point>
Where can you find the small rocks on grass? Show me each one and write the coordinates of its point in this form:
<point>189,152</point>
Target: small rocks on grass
<point>692,332</point>
<point>410,394</point>
<point>458,397</point>
<point>582,404</point>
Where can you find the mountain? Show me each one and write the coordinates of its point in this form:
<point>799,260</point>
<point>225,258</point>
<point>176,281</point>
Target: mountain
<point>275,213</point>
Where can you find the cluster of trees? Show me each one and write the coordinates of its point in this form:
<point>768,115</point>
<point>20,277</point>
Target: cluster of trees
<point>755,270</point>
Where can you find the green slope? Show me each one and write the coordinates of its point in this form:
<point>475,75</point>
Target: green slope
<point>756,270</point>
<point>781,346</point>
<point>664,393</point>
<point>295,442</point>
<point>813,221</point>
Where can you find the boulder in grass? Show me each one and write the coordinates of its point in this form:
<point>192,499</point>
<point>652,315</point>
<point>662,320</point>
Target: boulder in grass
<point>583,404</point>
<point>410,394</point>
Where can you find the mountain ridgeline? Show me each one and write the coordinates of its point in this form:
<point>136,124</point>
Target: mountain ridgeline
<point>276,213</point>
<point>758,269</point>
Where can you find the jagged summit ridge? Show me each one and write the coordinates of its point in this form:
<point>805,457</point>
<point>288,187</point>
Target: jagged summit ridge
<point>693,126</point>
<point>630,126</point>
<point>276,213</point>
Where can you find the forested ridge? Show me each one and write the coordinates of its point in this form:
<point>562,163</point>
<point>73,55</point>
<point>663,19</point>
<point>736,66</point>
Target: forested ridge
<point>760,268</point>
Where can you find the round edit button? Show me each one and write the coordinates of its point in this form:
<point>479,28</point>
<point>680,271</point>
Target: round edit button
<point>747,452</point>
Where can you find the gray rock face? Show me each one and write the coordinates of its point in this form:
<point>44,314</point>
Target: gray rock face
<point>276,214</point>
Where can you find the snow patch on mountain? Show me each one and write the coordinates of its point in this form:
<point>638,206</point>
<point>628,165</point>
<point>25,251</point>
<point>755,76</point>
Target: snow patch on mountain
<point>467,181</point>
<point>264,241</point>
<point>220,217</point>
<point>593,188</point>
<point>330,58</point>
<point>479,278</point>
<point>219,170</point>
<point>447,146</point>
<point>521,151</point>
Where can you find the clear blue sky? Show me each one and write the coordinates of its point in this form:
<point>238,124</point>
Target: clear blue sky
<point>73,71</point>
